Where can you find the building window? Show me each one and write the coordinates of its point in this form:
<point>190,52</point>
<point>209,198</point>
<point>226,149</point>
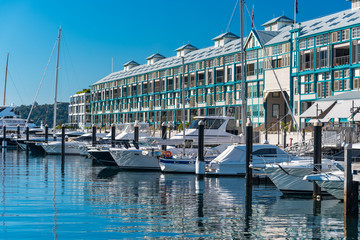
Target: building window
<point>276,110</point>
<point>302,44</point>
<point>355,32</point>
<point>310,42</point>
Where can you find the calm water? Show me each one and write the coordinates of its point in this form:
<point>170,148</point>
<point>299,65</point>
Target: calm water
<point>40,198</point>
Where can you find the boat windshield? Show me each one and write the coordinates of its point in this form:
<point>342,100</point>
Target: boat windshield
<point>208,123</point>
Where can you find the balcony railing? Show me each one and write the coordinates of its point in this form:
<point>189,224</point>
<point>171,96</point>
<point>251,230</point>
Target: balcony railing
<point>323,63</point>
<point>343,60</point>
<point>306,65</point>
<point>238,76</point>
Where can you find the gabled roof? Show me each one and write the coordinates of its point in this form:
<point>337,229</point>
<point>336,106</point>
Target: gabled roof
<point>279,19</point>
<point>156,55</point>
<point>131,63</point>
<point>225,35</point>
<point>320,25</point>
<point>264,36</point>
<point>187,46</point>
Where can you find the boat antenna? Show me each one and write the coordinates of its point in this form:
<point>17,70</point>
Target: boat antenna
<point>56,80</point>
<point>7,63</point>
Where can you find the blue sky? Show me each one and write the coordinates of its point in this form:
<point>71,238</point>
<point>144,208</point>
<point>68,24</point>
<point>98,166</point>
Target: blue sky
<point>94,32</point>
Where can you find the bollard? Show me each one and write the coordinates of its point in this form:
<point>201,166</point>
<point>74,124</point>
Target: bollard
<point>93,135</point>
<point>317,158</point>
<point>27,139</point>
<point>4,137</point>
<point>249,148</point>
<point>62,142</point>
<point>18,131</point>
<point>46,133</point>
<point>136,132</point>
<point>113,135</point>
<point>200,163</point>
<point>351,190</point>
<point>284,139</point>
<point>163,135</point>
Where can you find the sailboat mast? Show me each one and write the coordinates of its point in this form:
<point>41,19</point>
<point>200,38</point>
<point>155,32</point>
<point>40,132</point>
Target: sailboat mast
<point>243,85</point>
<point>183,101</point>
<point>7,63</point>
<point>56,79</point>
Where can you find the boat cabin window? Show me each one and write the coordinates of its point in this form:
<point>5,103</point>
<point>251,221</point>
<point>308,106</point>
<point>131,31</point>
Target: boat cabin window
<point>208,123</point>
<point>231,127</point>
<point>265,152</point>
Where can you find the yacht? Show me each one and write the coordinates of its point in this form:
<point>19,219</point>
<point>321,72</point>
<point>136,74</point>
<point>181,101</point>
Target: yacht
<point>332,182</point>
<point>9,119</point>
<point>232,161</point>
<point>217,130</point>
<point>132,156</point>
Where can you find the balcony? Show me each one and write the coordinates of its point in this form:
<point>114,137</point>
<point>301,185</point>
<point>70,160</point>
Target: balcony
<point>323,63</point>
<point>307,65</point>
<point>342,60</point>
<point>238,76</point>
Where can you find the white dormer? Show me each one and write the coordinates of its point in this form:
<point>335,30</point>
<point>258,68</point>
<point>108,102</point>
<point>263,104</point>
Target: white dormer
<point>154,58</point>
<point>181,51</point>
<point>129,65</point>
<point>277,23</point>
<point>224,38</point>
<point>354,3</point>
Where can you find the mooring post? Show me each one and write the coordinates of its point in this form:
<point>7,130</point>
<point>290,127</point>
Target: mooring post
<point>4,137</point>
<point>18,131</point>
<point>163,135</point>
<point>93,135</point>
<point>284,138</point>
<point>46,133</point>
<point>351,189</point>
<point>113,135</point>
<point>63,142</point>
<point>317,158</point>
<point>303,136</point>
<point>200,163</point>
<point>27,139</point>
<point>249,148</point>
<point>136,132</point>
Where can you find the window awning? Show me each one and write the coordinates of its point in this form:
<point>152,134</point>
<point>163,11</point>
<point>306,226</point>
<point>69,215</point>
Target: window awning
<point>321,106</point>
<point>342,109</point>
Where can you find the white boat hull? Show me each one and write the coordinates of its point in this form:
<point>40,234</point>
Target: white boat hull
<point>135,159</point>
<point>178,165</point>
<point>70,148</point>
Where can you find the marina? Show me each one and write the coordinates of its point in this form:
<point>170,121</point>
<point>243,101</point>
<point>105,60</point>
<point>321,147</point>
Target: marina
<point>43,197</point>
<point>256,136</point>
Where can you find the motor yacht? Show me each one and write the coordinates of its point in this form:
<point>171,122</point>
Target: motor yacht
<point>232,161</point>
<point>217,130</point>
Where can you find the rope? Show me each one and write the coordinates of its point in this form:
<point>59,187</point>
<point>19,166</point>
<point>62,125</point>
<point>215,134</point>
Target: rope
<point>42,79</point>
<point>232,15</point>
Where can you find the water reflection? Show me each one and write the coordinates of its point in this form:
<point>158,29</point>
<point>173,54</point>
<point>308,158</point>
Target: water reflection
<point>73,199</point>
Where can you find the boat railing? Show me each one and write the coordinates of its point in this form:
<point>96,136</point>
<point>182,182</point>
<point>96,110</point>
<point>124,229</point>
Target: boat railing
<point>273,158</point>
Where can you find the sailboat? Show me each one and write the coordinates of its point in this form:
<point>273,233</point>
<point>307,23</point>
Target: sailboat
<point>8,116</point>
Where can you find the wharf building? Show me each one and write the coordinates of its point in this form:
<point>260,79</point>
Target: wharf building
<point>297,63</point>
<point>80,109</point>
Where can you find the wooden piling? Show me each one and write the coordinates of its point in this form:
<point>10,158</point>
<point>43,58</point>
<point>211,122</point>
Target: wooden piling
<point>93,135</point>
<point>351,189</point>
<point>163,135</point>
<point>4,137</point>
<point>113,135</point>
<point>46,133</point>
<point>200,163</point>
<point>27,139</point>
<point>18,131</point>
<point>136,132</point>
<point>63,142</point>
<point>249,149</point>
<point>317,158</point>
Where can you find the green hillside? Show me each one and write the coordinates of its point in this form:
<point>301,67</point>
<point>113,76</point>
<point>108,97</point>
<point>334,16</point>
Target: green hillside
<point>45,113</point>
